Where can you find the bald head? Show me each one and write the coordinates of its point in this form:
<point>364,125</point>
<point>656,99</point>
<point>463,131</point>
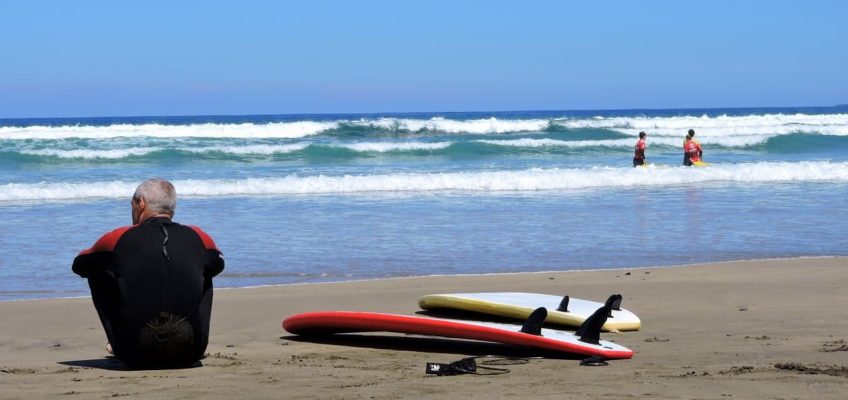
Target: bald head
<point>153,197</point>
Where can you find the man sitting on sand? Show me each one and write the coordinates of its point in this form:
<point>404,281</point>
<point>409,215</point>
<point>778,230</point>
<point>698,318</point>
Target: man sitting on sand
<point>151,283</point>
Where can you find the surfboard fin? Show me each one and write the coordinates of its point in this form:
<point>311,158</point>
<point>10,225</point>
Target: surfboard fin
<point>563,305</point>
<point>533,325</point>
<point>590,330</point>
<point>614,303</point>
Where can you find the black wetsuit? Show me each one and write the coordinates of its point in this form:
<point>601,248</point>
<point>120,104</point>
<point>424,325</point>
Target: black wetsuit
<point>138,272</point>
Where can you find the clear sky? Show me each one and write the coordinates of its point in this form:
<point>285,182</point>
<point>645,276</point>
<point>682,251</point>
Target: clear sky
<point>119,58</point>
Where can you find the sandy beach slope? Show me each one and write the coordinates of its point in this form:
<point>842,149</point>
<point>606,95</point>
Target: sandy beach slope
<point>740,330</point>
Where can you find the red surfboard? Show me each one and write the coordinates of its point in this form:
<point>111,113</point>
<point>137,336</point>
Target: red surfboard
<point>531,335</point>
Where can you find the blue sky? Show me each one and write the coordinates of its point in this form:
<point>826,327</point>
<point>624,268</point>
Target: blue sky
<point>112,58</point>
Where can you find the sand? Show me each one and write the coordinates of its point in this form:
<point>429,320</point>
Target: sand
<point>741,330</point>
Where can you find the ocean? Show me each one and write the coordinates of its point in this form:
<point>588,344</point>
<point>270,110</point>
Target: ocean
<point>317,198</point>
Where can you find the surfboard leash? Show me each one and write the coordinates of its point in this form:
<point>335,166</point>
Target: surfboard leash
<point>469,365</point>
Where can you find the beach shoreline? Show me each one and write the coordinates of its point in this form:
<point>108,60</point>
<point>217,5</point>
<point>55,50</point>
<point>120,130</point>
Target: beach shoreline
<point>744,329</point>
<point>389,278</point>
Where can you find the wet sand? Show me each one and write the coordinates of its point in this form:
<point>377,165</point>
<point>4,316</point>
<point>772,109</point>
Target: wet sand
<point>745,330</point>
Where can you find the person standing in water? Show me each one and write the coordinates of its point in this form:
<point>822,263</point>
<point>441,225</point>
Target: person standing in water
<point>691,149</point>
<point>639,157</point>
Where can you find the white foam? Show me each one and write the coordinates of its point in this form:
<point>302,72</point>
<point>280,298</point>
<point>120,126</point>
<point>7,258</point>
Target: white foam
<point>706,127</point>
<point>473,126</point>
<point>492,181</point>
<point>93,154</point>
<point>723,125</point>
<point>529,142</point>
<point>726,141</point>
<point>59,191</point>
<point>382,147</point>
<point>248,130</point>
<point>257,149</point>
<point>260,149</point>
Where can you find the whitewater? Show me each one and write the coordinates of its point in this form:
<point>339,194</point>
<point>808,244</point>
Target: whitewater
<point>307,198</point>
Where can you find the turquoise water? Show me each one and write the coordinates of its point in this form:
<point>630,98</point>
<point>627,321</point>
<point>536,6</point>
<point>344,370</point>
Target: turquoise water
<point>339,197</point>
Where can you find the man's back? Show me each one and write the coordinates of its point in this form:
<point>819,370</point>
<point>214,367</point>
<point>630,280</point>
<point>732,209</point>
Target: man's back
<point>152,281</point>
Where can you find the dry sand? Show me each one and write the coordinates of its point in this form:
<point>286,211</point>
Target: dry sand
<point>741,330</point>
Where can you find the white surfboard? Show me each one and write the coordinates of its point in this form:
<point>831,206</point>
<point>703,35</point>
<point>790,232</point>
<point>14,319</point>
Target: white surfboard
<point>562,310</point>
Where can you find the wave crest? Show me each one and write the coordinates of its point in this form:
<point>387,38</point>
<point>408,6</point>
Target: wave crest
<point>719,126</point>
<point>287,130</point>
<point>529,180</point>
<point>674,126</point>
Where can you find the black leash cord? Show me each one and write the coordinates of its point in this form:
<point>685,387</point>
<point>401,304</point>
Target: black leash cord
<point>469,365</point>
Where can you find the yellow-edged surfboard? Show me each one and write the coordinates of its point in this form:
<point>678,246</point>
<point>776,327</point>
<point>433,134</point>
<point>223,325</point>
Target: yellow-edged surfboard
<point>562,310</point>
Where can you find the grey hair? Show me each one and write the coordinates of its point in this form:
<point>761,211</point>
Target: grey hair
<point>160,195</point>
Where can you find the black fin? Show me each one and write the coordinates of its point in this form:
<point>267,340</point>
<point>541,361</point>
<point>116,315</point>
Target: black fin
<point>590,330</point>
<point>533,325</point>
<point>614,303</point>
<point>563,305</point>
